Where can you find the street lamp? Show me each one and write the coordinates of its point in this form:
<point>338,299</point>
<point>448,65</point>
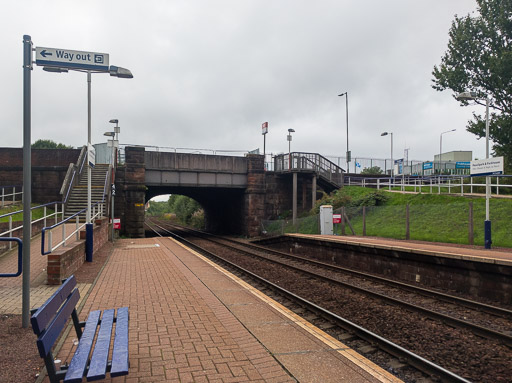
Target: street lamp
<point>467,96</point>
<point>392,162</point>
<point>289,138</point>
<point>114,71</point>
<point>112,186</point>
<point>441,147</point>
<point>348,156</point>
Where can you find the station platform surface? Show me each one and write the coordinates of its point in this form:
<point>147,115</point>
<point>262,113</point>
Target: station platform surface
<point>470,253</point>
<point>191,321</point>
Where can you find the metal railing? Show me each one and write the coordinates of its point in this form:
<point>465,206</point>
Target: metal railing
<point>44,218</point>
<point>76,232</point>
<point>73,175</point>
<point>97,211</point>
<point>9,195</point>
<point>297,161</point>
<point>436,184</point>
<point>20,256</point>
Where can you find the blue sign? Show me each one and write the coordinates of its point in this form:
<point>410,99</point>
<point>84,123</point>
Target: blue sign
<point>427,165</point>
<point>462,165</point>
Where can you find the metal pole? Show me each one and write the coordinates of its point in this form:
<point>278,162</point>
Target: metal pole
<point>440,150</point>
<point>27,177</point>
<point>392,162</point>
<point>487,224</point>
<point>88,227</point>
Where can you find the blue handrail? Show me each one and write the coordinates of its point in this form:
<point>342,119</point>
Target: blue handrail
<point>20,256</point>
<point>43,232</point>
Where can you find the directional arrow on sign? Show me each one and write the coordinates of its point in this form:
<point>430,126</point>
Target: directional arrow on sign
<point>44,53</point>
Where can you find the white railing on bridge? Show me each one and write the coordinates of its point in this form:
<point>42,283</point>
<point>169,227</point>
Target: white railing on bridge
<point>436,184</point>
<point>10,194</point>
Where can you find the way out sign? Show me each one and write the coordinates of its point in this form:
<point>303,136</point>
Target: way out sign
<point>66,58</point>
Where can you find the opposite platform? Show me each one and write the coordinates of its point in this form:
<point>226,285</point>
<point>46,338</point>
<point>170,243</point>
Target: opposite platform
<point>191,321</point>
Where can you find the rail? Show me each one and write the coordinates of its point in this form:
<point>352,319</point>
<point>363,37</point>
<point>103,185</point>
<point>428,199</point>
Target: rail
<point>20,256</point>
<point>44,218</point>
<point>433,184</point>
<point>73,175</point>
<point>297,161</point>
<point>9,194</point>
<point>95,213</point>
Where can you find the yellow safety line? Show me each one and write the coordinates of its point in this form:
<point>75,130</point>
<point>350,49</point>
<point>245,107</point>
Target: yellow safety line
<point>365,364</point>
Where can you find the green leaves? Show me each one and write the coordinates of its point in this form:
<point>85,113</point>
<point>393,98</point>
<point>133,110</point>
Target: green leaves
<point>479,59</point>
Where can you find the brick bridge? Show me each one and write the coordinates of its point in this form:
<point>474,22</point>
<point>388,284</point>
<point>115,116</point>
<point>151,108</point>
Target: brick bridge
<point>236,193</point>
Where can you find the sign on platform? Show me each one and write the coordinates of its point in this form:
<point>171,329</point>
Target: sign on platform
<point>65,58</point>
<point>336,218</point>
<point>117,223</point>
<point>91,155</point>
<point>487,167</point>
<point>264,128</point>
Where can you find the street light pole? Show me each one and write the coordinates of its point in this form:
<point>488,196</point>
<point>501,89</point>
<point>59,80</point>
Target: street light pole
<point>466,96</point>
<point>289,138</point>
<point>348,156</point>
<point>441,147</point>
<point>392,162</point>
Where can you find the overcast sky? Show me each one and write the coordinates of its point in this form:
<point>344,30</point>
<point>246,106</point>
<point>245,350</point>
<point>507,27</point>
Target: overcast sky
<point>207,74</point>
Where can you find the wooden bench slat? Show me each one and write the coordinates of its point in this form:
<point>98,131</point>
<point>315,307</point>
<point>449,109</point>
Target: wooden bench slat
<point>47,311</point>
<point>120,363</point>
<point>79,362</point>
<point>98,365</point>
<point>50,335</point>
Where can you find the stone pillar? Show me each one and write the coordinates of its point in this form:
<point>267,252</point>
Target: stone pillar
<point>134,192</point>
<point>254,195</point>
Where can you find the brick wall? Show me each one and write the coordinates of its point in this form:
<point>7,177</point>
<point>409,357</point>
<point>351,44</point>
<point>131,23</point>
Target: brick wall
<point>477,279</point>
<point>64,261</point>
<point>49,167</point>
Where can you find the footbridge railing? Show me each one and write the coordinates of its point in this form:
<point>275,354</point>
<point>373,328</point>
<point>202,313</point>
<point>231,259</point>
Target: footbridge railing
<point>313,162</point>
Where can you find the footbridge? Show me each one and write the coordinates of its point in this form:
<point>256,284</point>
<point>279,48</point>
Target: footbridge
<point>236,193</point>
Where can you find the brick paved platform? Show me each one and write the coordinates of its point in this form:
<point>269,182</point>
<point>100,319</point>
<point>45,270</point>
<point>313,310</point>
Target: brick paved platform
<point>190,321</point>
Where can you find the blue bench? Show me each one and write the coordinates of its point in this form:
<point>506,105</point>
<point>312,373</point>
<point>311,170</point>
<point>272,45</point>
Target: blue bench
<point>95,336</point>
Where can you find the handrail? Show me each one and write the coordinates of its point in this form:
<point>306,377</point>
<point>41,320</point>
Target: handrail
<point>78,227</point>
<point>83,157</point>
<point>20,256</point>
<point>13,194</point>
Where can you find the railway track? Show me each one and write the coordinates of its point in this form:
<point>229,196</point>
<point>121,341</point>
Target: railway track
<point>327,278</point>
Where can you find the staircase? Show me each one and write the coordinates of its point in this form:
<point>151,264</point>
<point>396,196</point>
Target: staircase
<point>330,176</point>
<point>78,196</point>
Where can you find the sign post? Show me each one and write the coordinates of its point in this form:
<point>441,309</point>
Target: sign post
<point>264,131</point>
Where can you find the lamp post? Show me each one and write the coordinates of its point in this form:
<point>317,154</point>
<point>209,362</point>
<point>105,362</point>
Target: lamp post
<point>112,186</point>
<point>467,96</point>
<point>114,71</point>
<point>441,148</point>
<point>289,138</point>
<point>264,131</point>
<point>392,162</point>
<point>348,154</point>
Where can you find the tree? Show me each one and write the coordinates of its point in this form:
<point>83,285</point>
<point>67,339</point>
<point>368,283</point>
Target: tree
<point>49,144</point>
<point>479,59</point>
<point>374,170</point>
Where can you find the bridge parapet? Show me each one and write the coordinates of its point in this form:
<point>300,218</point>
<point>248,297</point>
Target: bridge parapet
<point>195,170</point>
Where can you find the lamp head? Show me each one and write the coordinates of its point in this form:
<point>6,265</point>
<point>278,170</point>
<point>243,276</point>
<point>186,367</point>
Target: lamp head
<point>114,121</point>
<point>384,134</point>
<point>291,130</point>
<point>117,71</point>
<point>55,69</point>
<point>466,96</point>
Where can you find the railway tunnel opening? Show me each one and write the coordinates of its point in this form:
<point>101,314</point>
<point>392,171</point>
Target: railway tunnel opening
<point>223,207</point>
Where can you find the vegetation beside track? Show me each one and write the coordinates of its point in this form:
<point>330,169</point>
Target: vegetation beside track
<point>432,217</point>
<point>36,213</point>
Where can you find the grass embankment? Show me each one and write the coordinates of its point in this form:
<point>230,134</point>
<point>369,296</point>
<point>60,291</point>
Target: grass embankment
<point>432,217</point>
<point>36,213</point>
